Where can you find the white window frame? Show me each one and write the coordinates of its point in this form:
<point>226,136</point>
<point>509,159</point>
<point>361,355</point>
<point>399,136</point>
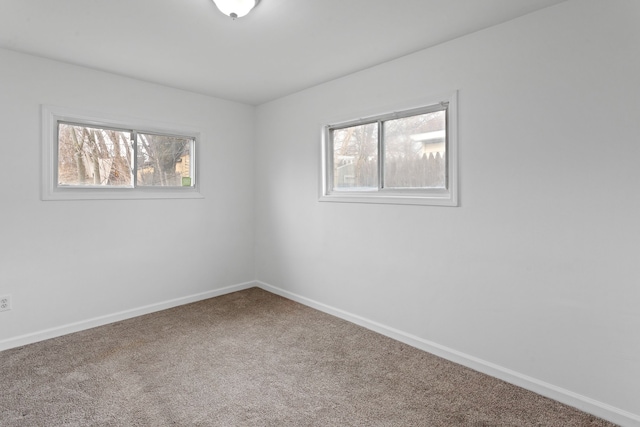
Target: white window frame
<point>419,196</point>
<point>52,115</point>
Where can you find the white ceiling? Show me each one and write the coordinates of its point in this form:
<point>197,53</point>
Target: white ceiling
<point>281,47</point>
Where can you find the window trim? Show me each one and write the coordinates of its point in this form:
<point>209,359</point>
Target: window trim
<point>52,115</point>
<point>418,196</point>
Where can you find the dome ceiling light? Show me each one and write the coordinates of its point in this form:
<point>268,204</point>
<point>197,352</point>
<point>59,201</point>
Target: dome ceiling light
<point>236,8</point>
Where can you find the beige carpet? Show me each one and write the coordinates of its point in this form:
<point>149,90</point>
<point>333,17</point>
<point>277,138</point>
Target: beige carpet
<point>254,359</point>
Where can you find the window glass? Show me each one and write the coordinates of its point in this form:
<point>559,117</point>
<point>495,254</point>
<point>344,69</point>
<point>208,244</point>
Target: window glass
<point>91,156</point>
<point>164,160</point>
<point>415,151</point>
<point>355,157</point>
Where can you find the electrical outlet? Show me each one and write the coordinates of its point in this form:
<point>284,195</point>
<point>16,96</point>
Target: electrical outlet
<point>5,302</point>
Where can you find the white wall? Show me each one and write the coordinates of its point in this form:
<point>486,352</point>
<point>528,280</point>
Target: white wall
<point>65,262</point>
<point>538,270</point>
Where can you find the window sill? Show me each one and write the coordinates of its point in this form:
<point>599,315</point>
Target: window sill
<point>121,194</point>
<point>444,199</point>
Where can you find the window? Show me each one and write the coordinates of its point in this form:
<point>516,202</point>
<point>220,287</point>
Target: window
<point>406,157</point>
<point>90,157</point>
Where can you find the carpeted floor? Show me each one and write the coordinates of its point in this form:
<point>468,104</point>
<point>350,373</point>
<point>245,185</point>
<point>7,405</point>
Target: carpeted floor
<point>254,359</point>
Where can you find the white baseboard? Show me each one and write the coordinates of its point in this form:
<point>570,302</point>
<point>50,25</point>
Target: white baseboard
<point>551,391</point>
<point>116,317</point>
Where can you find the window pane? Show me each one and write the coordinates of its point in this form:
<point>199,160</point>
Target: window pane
<point>94,156</point>
<point>355,157</point>
<point>165,160</point>
<point>415,151</point>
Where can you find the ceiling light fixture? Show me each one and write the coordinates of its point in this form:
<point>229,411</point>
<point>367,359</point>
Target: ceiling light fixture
<point>236,8</point>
